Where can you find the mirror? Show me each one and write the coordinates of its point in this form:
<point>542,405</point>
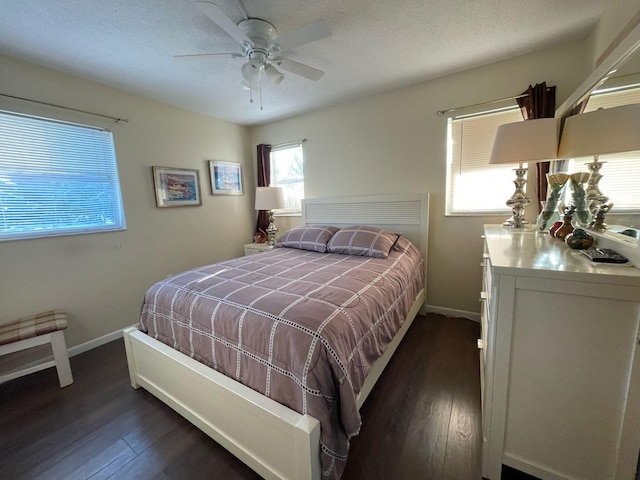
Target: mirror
<point>620,67</point>
<point>627,49</point>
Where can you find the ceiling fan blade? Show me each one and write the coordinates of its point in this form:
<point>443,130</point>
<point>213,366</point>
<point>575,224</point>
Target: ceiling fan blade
<point>200,55</point>
<point>308,33</point>
<point>214,12</point>
<point>298,68</point>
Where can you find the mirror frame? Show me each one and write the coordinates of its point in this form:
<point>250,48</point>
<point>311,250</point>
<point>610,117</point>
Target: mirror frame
<point>626,47</point>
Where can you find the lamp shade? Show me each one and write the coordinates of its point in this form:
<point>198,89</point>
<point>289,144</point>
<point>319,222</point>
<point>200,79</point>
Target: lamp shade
<point>534,140</point>
<point>269,198</point>
<point>607,130</point>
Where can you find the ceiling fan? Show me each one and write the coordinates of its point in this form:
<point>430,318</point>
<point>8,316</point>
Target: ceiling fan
<point>261,45</point>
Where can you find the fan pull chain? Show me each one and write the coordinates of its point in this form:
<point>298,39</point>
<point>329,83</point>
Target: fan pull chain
<point>250,92</point>
<point>260,86</point>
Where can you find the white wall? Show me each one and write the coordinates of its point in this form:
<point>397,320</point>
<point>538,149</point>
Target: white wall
<point>395,142</point>
<point>99,285</point>
<point>617,19</point>
<point>382,144</point>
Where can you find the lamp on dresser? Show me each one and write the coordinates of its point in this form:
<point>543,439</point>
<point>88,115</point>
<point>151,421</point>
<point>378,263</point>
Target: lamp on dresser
<point>533,140</point>
<point>603,131</point>
<point>270,199</point>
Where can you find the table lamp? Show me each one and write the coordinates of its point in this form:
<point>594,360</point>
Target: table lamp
<point>534,140</point>
<point>606,130</point>
<point>269,199</point>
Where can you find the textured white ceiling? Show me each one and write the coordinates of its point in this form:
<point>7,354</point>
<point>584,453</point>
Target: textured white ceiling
<point>376,45</point>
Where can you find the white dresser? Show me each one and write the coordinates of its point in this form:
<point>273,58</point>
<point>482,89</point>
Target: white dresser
<point>560,364</point>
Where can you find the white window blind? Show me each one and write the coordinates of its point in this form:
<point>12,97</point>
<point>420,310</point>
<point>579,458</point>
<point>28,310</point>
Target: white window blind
<point>474,186</point>
<point>56,178</point>
<point>287,171</point>
<point>621,172</point>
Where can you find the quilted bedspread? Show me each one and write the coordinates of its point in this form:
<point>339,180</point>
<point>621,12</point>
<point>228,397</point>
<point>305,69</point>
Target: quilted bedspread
<point>300,327</point>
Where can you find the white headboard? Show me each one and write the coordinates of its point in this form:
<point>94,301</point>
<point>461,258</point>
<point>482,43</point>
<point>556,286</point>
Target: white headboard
<point>406,213</point>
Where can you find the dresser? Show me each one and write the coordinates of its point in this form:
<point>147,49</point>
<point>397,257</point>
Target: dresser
<point>560,365</point>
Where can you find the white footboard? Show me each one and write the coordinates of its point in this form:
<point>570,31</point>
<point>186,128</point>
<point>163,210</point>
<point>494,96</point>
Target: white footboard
<point>272,439</point>
<point>275,441</point>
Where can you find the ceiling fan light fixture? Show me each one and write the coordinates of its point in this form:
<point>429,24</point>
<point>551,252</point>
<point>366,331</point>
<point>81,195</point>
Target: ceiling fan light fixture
<point>251,71</point>
<point>273,76</point>
<point>262,46</point>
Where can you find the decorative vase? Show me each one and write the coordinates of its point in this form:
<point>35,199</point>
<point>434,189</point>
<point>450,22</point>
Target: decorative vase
<point>555,189</point>
<point>598,224</point>
<point>582,215</point>
<point>579,239</point>
<point>260,236</point>
<point>554,228</point>
<point>566,228</point>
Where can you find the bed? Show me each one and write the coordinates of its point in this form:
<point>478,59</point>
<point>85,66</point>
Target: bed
<point>276,440</point>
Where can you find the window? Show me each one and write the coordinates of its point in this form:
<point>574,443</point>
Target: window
<point>473,186</point>
<point>621,172</point>
<point>56,178</point>
<point>287,171</point>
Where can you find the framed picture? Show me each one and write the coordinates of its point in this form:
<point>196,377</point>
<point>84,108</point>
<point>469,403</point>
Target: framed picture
<point>176,187</point>
<point>226,178</point>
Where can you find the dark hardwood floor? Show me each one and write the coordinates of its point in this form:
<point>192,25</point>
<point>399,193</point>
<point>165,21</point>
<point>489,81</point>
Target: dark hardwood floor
<point>422,420</point>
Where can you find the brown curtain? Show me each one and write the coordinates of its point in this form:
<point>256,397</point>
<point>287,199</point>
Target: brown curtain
<point>539,102</point>
<point>264,179</point>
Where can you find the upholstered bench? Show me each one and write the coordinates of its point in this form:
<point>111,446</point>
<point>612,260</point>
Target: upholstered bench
<point>28,332</point>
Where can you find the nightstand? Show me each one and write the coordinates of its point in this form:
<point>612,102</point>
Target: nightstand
<point>251,248</point>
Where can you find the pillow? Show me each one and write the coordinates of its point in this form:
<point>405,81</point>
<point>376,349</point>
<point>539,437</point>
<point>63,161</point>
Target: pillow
<point>362,240</point>
<point>402,244</point>
<point>308,237</point>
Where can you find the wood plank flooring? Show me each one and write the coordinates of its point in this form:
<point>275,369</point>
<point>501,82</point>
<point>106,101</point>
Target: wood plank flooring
<point>421,421</point>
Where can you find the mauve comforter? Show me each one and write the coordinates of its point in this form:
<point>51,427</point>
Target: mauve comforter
<point>300,327</point>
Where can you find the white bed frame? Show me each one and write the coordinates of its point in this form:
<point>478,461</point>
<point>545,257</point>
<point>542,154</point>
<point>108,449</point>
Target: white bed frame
<point>275,441</point>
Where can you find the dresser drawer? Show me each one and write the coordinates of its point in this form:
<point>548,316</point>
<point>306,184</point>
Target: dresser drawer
<point>487,276</point>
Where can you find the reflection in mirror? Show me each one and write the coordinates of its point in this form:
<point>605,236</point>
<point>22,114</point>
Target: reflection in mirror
<point>605,140</point>
<point>615,82</point>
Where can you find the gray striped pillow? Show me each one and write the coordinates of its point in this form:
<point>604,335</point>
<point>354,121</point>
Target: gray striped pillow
<point>363,240</point>
<point>308,237</point>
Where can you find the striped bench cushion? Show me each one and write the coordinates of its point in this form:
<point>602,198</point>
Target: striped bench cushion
<point>32,326</point>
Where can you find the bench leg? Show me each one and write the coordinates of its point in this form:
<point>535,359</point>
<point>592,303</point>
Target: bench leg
<point>61,358</point>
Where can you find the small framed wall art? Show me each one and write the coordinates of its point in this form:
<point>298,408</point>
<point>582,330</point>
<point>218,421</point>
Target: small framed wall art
<point>176,187</point>
<point>226,178</point>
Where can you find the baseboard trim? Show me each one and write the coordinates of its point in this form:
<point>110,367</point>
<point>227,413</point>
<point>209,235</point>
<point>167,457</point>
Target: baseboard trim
<point>452,312</point>
<point>96,342</point>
